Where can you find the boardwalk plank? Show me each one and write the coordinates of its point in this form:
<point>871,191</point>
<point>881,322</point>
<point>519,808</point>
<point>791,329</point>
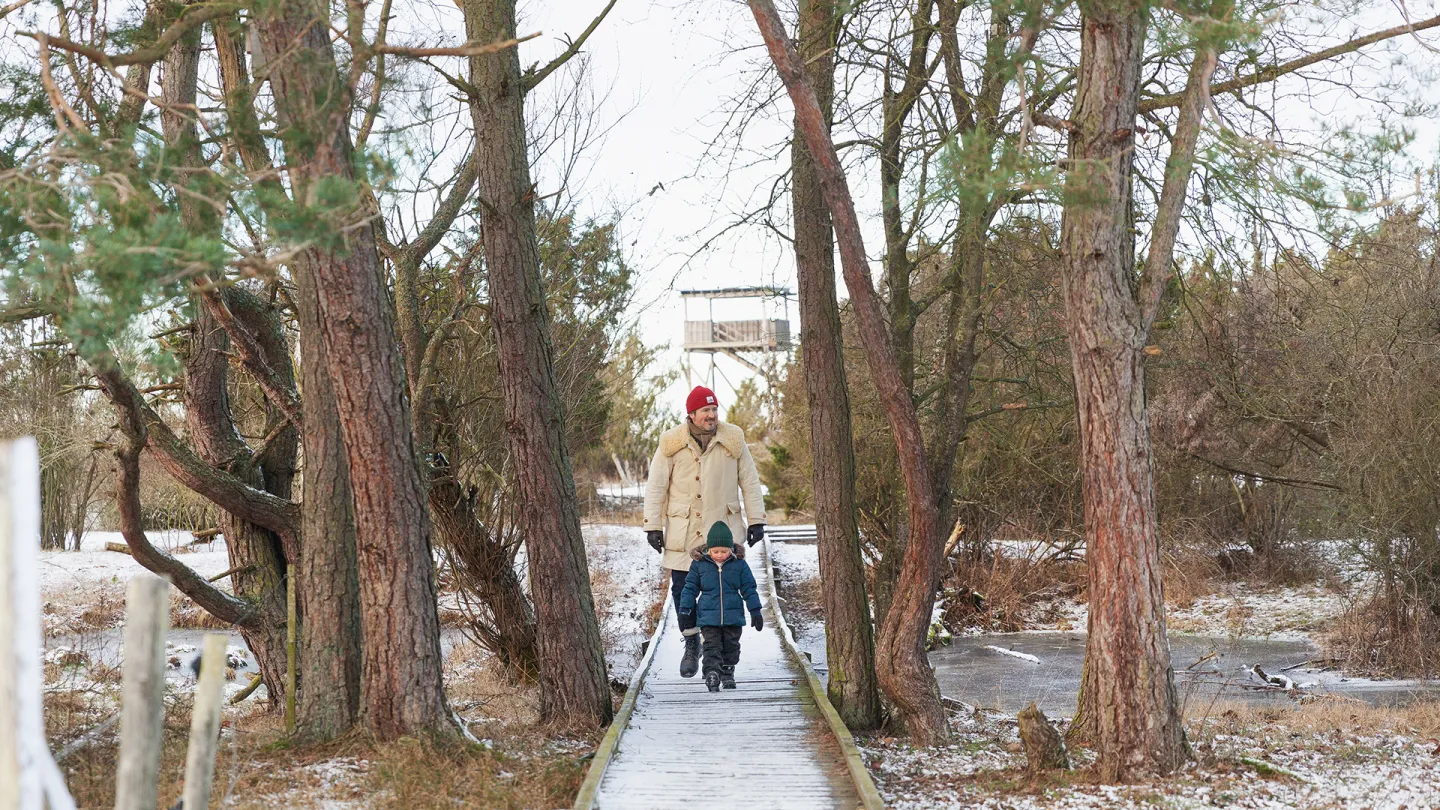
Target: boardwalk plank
<point>762,745</point>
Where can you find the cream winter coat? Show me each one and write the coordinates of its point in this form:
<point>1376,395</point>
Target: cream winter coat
<point>688,491</point>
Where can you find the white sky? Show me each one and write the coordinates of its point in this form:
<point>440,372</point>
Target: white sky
<point>665,73</point>
<point>668,68</point>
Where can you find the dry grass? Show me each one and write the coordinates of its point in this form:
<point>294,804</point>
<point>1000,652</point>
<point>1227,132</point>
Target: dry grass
<point>258,769</point>
<point>1189,575</point>
<point>186,615</point>
<point>1386,636</point>
<point>414,774</point>
<point>1324,716</point>
<point>1004,594</point>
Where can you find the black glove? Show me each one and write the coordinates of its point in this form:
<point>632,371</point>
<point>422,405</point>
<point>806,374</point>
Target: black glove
<point>757,621</point>
<point>756,534</point>
<point>656,540</point>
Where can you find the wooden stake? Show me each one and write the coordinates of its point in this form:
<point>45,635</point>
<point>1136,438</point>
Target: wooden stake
<point>29,777</point>
<point>205,723</point>
<point>290,636</point>
<point>142,693</point>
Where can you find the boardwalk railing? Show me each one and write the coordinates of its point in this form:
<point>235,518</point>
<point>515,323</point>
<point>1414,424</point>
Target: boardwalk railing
<point>854,762</point>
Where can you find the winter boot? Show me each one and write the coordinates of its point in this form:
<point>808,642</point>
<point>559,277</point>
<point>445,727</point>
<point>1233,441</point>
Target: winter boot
<point>712,681</point>
<point>727,677</point>
<point>690,662</point>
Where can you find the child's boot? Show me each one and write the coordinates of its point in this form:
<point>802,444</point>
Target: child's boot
<point>690,661</point>
<point>727,677</point>
<point>712,681</point>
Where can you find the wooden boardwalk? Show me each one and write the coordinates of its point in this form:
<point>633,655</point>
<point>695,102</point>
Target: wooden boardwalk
<point>766,744</point>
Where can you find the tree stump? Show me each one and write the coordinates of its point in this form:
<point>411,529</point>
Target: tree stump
<point>1044,748</point>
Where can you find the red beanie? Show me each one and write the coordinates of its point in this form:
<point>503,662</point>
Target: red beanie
<point>699,398</point>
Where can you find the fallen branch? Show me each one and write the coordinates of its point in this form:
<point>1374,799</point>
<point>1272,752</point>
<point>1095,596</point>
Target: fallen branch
<point>1280,681</point>
<point>255,681</point>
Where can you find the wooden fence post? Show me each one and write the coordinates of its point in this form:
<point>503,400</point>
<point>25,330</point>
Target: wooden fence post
<point>29,777</point>
<point>142,693</point>
<point>292,627</point>
<point>205,723</point>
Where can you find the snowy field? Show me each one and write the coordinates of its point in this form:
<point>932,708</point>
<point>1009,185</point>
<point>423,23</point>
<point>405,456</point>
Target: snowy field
<point>83,591</point>
<point>627,581</point>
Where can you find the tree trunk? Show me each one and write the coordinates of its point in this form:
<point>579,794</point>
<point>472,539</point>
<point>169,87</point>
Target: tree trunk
<point>903,670</point>
<point>574,690</point>
<point>401,687</point>
<point>849,634</point>
<point>328,584</point>
<point>254,550</point>
<point>489,570</point>
<point>1128,694</point>
<point>329,593</point>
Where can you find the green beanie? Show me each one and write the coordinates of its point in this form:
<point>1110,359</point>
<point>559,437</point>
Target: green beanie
<point>720,536</point>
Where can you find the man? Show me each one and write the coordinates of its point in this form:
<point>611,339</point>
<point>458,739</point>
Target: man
<point>700,474</point>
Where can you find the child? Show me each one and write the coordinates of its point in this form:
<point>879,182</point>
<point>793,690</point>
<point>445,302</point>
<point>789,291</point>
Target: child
<point>722,585</point>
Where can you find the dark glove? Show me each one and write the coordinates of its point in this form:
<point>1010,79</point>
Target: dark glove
<point>757,621</point>
<point>656,540</point>
<point>756,534</point>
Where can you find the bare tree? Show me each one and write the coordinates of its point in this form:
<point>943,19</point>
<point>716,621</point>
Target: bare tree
<point>849,634</point>
<point>903,670</point>
<point>574,688</point>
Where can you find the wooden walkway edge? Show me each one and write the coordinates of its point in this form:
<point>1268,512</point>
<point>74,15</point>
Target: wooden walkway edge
<point>585,799</point>
<point>775,742</point>
<point>855,763</point>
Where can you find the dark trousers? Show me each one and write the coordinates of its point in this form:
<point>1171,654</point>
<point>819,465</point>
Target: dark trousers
<point>722,649</point>
<point>677,584</point>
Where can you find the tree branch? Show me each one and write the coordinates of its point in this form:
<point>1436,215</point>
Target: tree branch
<point>1179,166</point>
<point>180,461</point>
<point>24,312</point>
<point>468,49</point>
<point>533,77</point>
<point>190,17</point>
<point>1269,479</point>
<point>1274,72</point>
<point>252,356</point>
<point>220,604</point>
<point>445,214</point>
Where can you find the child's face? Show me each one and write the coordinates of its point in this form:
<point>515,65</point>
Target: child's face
<point>719,554</point>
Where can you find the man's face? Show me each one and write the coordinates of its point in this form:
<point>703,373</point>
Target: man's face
<point>706,417</point>
<point>719,553</point>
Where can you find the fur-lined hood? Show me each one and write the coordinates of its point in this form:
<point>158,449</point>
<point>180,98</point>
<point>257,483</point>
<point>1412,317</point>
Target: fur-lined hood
<point>729,436</point>
<point>738,550</point>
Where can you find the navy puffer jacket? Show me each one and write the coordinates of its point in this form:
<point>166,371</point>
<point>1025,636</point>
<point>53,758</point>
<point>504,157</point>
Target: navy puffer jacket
<point>721,592</point>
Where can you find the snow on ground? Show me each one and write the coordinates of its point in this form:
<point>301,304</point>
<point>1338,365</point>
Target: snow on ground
<point>1265,767</point>
<point>85,590</point>
<point>1243,609</point>
<point>796,562</point>
<point>627,581</point>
